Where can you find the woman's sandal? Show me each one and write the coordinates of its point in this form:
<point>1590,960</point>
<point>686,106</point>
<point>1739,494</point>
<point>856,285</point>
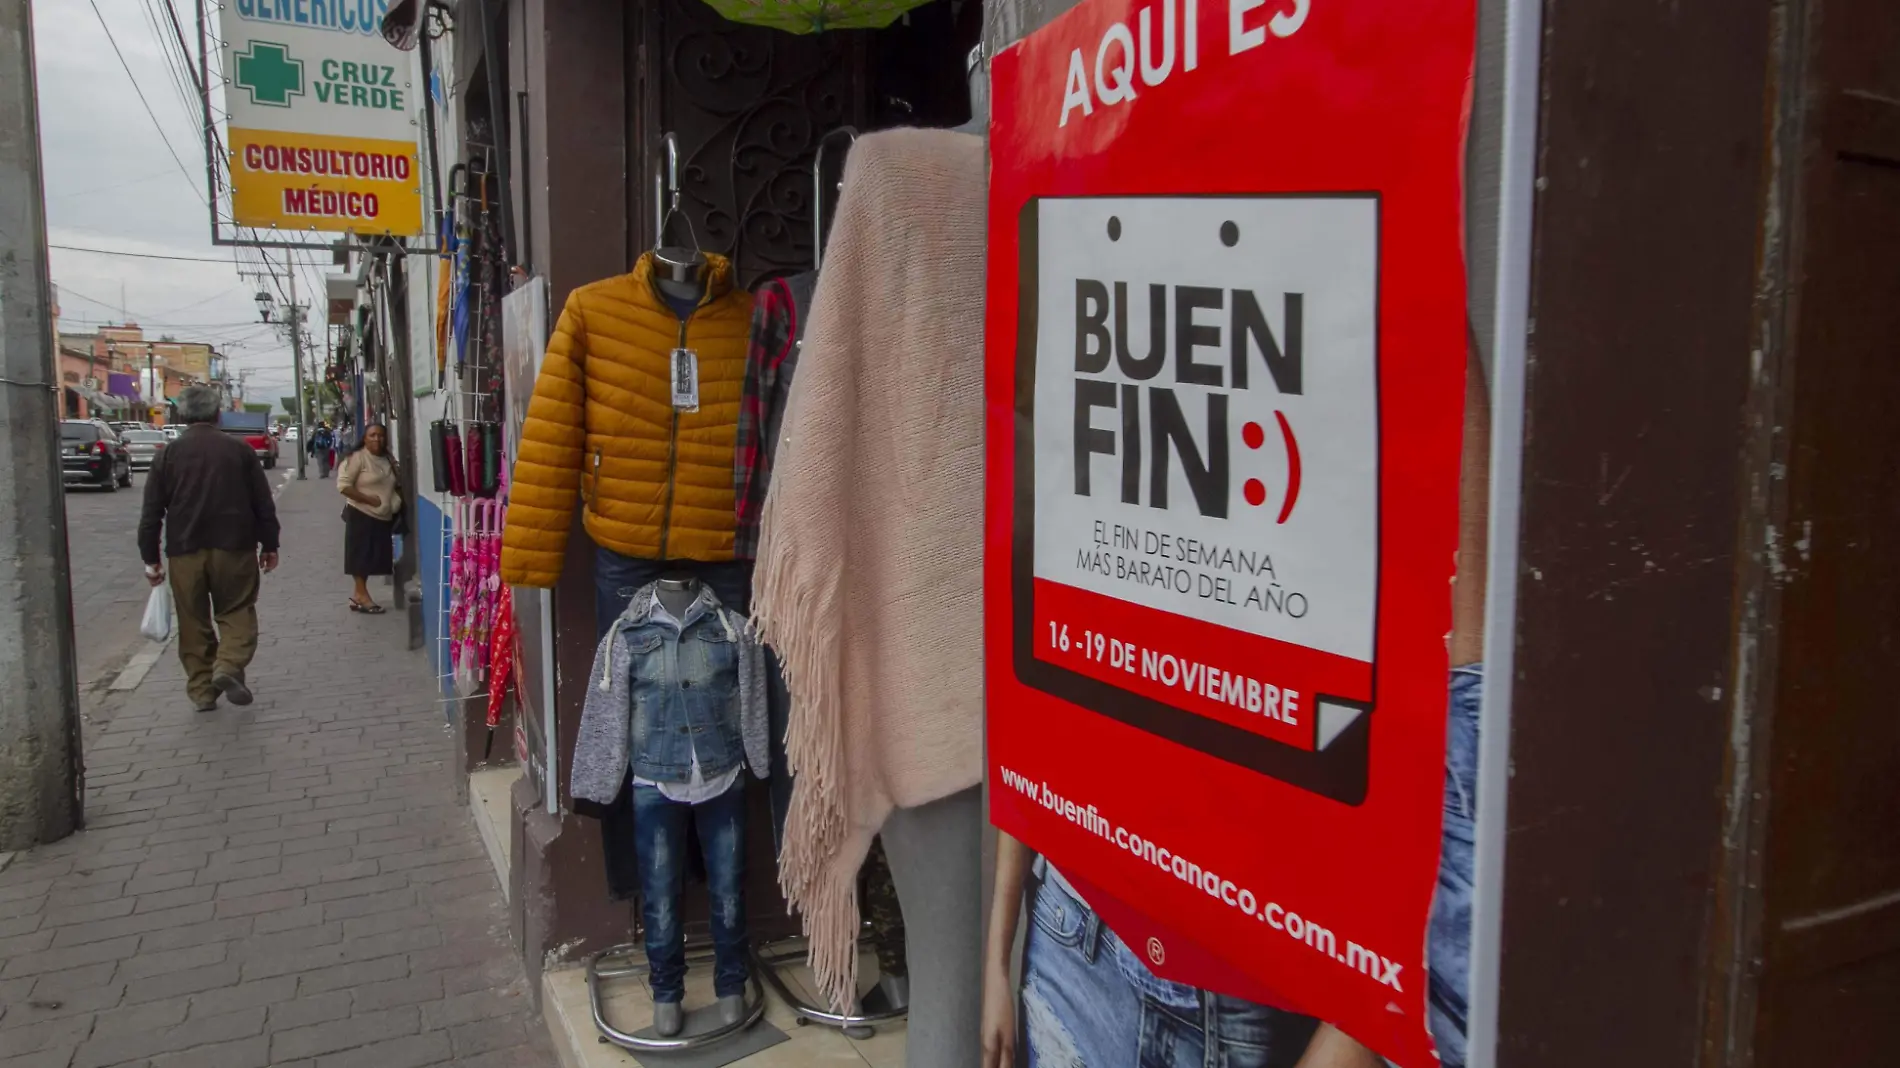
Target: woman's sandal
<point>371,609</point>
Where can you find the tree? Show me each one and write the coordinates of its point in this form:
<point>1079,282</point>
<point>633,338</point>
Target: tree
<point>324,398</point>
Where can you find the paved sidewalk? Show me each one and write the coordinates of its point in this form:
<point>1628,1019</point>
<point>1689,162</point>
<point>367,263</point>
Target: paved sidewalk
<point>288,884</point>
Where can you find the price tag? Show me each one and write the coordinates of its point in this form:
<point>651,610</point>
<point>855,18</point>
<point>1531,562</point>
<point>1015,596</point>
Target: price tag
<point>686,380</point>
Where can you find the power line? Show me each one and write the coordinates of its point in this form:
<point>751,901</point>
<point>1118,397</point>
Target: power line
<point>149,113</point>
<point>157,256</point>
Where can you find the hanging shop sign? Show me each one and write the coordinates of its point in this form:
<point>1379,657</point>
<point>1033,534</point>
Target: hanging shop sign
<point>1226,351</point>
<point>322,129</point>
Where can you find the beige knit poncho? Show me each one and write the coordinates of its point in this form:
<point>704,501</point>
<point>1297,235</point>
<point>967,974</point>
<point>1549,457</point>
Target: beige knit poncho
<point>869,579</point>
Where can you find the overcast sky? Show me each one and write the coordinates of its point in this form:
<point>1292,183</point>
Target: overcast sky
<point>112,184</point>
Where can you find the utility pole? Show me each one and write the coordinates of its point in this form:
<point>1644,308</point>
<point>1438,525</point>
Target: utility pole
<point>296,354</point>
<point>41,791</point>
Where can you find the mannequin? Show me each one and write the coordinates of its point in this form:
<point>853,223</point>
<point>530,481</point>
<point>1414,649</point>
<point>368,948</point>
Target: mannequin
<point>677,592</point>
<point>978,75</point>
<point>936,857</point>
<point>692,691</point>
<point>899,723</point>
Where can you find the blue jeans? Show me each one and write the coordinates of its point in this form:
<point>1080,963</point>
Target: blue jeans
<point>1089,1002</point>
<point>1448,946</point>
<point>660,827</point>
<point>618,577</point>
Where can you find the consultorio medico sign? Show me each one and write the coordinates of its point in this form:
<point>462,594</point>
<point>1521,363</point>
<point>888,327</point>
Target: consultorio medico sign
<point>322,127</point>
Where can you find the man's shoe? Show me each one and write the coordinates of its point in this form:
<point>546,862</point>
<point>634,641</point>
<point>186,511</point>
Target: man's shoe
<point>209,704</point>
<point>232,688</point>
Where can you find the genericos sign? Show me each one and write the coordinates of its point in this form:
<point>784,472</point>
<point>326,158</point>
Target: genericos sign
<point>1226,353</point>
<point>322,132</point>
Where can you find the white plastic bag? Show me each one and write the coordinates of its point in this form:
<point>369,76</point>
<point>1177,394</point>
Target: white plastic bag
<point>157,624</point>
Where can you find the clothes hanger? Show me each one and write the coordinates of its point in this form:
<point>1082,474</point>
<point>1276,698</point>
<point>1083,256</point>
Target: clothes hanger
<point>682,264</point>
<point>818,192</point>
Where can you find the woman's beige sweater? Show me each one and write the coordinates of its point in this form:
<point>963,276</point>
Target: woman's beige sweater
<point>371,474</point>
<point>869,577</point>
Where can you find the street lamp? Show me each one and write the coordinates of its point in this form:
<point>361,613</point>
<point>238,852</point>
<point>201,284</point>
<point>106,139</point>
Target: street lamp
<point>264,304</point>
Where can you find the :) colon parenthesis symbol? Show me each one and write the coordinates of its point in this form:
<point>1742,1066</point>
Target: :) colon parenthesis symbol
<point>1255,490</point>
<point>1157,953</point>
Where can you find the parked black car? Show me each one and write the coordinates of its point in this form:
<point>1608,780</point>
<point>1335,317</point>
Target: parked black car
<point>91,454</point>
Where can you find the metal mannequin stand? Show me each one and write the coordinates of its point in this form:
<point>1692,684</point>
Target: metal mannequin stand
<point>770,958</point>
<point>698,951</point>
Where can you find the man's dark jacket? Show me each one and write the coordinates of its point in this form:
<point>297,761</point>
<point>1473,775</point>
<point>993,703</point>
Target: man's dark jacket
<point>208,492</point>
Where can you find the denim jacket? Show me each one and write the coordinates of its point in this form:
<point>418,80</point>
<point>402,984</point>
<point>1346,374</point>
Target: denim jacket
<point>656,695</point>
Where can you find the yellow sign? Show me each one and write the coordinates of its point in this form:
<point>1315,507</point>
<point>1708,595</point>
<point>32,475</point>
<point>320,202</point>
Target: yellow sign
<point>302,181</point>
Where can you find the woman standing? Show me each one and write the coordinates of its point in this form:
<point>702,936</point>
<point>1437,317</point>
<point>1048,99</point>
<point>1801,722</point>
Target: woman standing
<point>367,481</point>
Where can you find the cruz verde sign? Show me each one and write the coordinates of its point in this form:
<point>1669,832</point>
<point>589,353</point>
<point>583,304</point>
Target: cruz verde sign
<point>322,129</point>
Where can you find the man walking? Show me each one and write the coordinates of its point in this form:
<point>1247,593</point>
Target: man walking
<point>208,491</point>
<point>322,442</point>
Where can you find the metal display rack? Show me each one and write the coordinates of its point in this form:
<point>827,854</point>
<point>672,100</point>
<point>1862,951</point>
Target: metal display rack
<point>698,950</point>
<point>772,958</point>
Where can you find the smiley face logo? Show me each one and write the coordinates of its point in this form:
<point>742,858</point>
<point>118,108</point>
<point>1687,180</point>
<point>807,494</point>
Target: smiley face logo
<point>1254,490</point>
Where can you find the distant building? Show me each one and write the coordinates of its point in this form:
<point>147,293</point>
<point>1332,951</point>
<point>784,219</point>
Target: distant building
<point>115,372</point>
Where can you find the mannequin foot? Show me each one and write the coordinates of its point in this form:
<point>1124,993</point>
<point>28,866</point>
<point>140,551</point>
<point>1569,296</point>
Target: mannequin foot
<point>668,1018</point>
<point>731,1008</point>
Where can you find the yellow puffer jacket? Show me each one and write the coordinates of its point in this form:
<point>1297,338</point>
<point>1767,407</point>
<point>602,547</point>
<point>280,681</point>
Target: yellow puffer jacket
<point>656,483</point>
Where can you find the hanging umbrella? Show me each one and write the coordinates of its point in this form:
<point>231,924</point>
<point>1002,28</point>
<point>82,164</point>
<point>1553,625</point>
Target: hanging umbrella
<point>815,16</point>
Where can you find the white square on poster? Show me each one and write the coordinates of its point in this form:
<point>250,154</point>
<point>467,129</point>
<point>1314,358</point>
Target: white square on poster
<point>1206,409</point>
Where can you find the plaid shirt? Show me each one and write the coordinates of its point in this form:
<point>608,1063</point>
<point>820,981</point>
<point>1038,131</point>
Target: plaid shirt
<point>778,313</point>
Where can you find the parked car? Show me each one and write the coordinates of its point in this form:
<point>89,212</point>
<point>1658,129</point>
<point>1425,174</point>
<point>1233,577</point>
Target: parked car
<point>144,447</point>
<point>172,430</point>
<point>291,433</point>
<point>90,453</point>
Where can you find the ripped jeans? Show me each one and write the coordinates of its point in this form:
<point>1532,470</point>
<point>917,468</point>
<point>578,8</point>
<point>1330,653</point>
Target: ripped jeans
<point>660,827</point>
<point>1089,1002</point>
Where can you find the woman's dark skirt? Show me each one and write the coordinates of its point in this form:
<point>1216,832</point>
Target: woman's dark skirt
<point>368,544</point>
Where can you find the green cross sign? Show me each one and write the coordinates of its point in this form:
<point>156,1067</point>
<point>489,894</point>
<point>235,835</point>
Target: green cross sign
<point>272,77</point>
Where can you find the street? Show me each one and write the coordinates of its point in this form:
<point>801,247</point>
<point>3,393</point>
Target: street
<point>109,587</point>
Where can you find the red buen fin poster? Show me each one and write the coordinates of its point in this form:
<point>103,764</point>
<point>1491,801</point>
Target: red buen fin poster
<point>1226,350</point>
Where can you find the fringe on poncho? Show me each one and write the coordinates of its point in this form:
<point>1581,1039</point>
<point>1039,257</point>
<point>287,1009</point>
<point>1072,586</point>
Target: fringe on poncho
<point>869,580</point>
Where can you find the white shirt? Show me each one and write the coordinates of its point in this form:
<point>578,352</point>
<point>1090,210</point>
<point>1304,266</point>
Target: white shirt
<point>696,789</point>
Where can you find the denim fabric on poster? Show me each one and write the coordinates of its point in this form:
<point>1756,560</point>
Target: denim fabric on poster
<point>662,827</point>
<point>1089,1002</point>
<point>1448,948</point>
<point>1183,1025</point>
<point>1078,1010</point>
<point>617,576</point>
